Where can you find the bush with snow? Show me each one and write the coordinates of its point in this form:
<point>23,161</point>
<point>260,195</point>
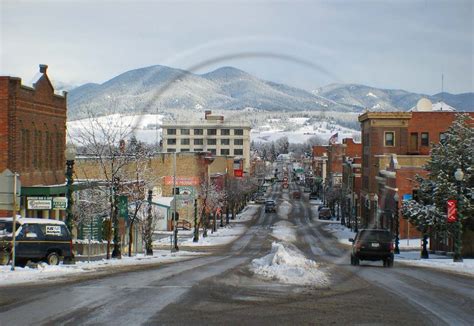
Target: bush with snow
<point>289,266</point>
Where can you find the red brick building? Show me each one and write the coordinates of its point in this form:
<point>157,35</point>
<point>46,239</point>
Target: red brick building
<point>410,136</point>
<point>33,135</point>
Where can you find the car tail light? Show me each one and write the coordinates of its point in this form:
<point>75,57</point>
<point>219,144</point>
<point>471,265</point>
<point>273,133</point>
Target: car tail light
<point>71,247</point>
<point>392,246</point>
<point>358,245</point>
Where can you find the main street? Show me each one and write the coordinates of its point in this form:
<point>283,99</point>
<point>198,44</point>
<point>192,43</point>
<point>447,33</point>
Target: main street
<point>221,289</point>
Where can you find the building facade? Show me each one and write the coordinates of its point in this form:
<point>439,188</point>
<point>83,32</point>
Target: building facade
<point>213,134</point>
<point>33,138</point>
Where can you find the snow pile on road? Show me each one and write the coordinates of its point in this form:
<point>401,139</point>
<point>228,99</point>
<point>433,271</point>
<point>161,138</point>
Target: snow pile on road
<point>440,262</point>
<point>289,266</point>
<point>284,209</point>
<point>284,231</point>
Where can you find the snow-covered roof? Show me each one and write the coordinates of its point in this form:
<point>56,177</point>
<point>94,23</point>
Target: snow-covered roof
<point>439,106</point>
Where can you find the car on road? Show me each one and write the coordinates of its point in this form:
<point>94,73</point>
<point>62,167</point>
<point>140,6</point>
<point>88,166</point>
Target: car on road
<point>325,213</point>
<point>270,206</point>
<point>372,245</point>
<point>37,239</point>
<point>313,195</point>
<point>260,199</point>
<point>296,195</point>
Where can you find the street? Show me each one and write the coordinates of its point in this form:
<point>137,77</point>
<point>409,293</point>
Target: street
<point>221,289</point>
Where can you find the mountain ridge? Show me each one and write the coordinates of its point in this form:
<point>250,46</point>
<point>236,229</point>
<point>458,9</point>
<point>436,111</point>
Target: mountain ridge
<point>157,88</point>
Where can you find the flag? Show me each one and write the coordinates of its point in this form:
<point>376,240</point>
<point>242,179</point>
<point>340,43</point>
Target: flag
<point>333,139</point>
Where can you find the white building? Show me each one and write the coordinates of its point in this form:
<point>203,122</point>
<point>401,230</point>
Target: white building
<point>212,134</point>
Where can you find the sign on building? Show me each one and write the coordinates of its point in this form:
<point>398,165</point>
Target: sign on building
<point>39,203</point>
<point>60,203</point>
<point>181,181</point>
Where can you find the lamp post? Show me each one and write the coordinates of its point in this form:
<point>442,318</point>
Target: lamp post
<point>356,229</point>
<point>459,176</point>
<point>397,224</point>
<point>70,155</point>
<point>376,211</point>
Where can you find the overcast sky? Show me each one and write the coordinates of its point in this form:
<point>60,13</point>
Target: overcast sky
<point>308,44</point>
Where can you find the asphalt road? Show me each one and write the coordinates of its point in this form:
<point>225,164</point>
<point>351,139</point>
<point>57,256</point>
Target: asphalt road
<point>220,289</point>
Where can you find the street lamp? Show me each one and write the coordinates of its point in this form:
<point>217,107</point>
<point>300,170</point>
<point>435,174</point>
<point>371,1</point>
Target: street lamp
<point>70,155</point>
<point>397,224</point>
<point>459,176</point>
<point>356,213</point>
<point>376,211</point>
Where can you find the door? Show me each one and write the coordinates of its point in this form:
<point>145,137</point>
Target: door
<point>414,142</point>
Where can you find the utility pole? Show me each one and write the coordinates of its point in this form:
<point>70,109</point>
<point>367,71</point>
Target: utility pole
<point>175,215</point>
<point>14,221</point>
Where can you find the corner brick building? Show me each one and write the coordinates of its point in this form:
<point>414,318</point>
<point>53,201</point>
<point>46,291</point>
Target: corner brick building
<point>32,136</point>
<point>408,135</point>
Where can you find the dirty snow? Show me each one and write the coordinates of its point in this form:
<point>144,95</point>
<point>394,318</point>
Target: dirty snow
<point>283,209</point>
<point>288,265</point>
<point>284,231</point>
<point>44,272</point>
<point>437,262</point>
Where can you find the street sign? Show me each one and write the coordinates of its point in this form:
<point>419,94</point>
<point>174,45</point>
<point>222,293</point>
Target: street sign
<point>452,211</point>
<point>238,173</point>
<point>60,203</point>
<point>6,190</point>
<point>407,197</point>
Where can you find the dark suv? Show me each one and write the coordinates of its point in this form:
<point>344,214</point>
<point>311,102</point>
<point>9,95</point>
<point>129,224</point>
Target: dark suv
<point>270,206</point>
<point>37,239</point>
<point>372,244</point>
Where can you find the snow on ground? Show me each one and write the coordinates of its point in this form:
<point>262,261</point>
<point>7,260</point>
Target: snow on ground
<point>288,265</point>
<point>283,209</point>
<point>339,231</point>
<point>437,262</point>
<point>222,236</point>
<point>44,272</point>
<point>284,231</point>
<point>411,257</point>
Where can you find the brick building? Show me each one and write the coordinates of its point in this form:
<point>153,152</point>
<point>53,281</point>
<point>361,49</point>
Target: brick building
<point>32,138</point>
<point>410,136</point>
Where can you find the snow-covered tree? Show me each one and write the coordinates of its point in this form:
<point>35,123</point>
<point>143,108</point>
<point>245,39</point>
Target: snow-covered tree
<point>455,151</point>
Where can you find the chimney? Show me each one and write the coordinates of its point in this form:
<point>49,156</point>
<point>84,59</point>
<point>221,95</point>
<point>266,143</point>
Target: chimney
<point>43,68</point>
<point>206,113</point>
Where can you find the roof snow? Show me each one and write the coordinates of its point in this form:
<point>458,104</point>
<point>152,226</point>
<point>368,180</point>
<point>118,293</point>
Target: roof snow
<point>371,94</point>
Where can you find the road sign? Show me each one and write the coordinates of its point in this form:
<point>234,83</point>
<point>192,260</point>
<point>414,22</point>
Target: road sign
<point>452,211</point>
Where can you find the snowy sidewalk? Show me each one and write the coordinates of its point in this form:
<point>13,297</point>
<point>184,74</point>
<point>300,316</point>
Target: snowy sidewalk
<point>408,255</point>
<point>223,235</point>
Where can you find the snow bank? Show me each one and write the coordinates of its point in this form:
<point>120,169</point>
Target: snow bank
<point>47,272</point>
<point>341,232</point>
<point>437,262</point>
<point>289,266</point>
<point>284,231</point>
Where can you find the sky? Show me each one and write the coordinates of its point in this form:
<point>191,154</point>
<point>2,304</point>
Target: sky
<point>307,44</point>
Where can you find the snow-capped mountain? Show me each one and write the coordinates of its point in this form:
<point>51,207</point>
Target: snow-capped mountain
<point>377,99</point>
<point>147,90</point>
<point>156,89</point>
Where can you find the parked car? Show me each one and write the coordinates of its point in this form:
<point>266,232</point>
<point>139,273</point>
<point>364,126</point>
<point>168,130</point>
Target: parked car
<point>270,206</point>
<point>37,239</point>
<point>324,214</point>
<point>260,199</point>
<point>373,245</point>
<point>296,195</point>
<point>313,195</point>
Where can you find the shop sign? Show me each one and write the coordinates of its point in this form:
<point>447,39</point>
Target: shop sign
<point>60,203</point>
<point>39,203</point>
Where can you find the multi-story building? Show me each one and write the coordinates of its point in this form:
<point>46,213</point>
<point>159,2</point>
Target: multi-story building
<point>213,134</point>
<point>409,135</point>
<point>33,138</point>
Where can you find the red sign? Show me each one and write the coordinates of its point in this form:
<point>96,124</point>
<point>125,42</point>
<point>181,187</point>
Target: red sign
<point>239,173</point>
<point>182,181</point>
<point>452,211</point>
